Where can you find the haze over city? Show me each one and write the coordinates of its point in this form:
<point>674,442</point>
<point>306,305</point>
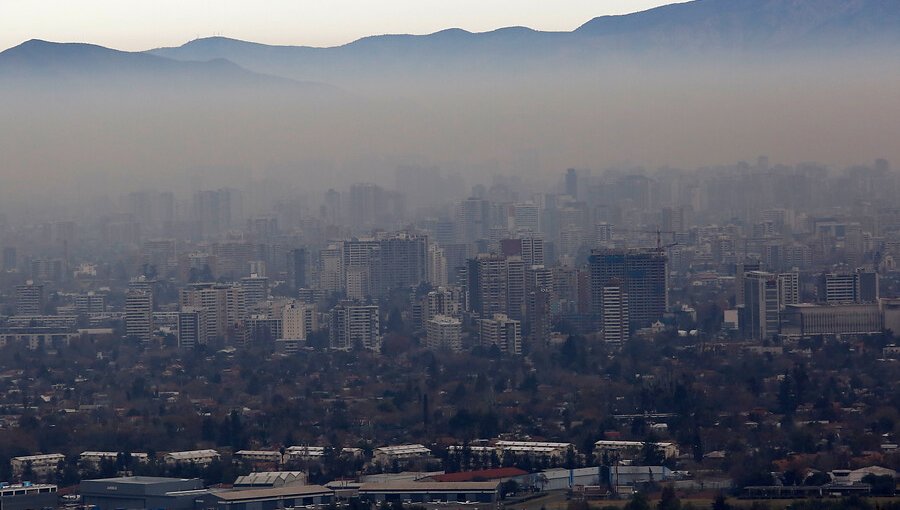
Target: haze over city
<point>506,255</point>
<point>138,26</point>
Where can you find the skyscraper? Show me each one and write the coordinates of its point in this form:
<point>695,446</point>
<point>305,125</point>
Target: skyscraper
<point>192,327</point>
<point>487,285</point>
<point>437,266</point>
<point>297,269</point>
<point>642,273</point>
<point>615,313</point>
<point>139,315</point>
<point>572,183</point>
<point>403,261</point>
<point>474,219</point>
<point>256,289</point>
<point>760,315</point>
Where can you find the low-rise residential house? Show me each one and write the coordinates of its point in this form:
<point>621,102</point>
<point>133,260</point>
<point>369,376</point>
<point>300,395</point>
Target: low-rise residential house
<point>197,457</point>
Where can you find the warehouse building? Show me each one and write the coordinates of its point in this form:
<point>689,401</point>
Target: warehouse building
<point>26,495</point>
<point>141,492</point>
<point>485,493</point>
<point>270,499</point>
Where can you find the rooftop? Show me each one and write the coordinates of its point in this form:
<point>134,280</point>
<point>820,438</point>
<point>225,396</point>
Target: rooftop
<point>295,490</point>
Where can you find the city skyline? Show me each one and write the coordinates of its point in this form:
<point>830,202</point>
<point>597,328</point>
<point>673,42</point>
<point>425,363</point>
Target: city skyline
<point>139,26</point>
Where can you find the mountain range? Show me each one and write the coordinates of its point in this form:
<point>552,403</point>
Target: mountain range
<point>701,29</point>
<point>696,30</point>
<point>688,84</point>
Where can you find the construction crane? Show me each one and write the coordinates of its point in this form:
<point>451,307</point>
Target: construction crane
<point>659,233</point>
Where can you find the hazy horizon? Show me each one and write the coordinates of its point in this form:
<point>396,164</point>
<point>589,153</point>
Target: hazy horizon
<point>139,26</point>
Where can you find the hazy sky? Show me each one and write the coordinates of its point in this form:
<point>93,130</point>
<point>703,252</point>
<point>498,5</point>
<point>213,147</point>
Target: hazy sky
<point>139,25</point>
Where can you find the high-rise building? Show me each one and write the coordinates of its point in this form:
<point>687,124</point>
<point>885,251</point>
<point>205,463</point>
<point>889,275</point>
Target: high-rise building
<point>192,327</point>
<point>403,261</point>
<point>740,270</point>
<point>537,316</point>
<point>161,255</point>
<point>155,210</point>
<point>760,313</point>
<point>788,289</point>
<point>474,219</point>
<point>355,325</point>
<point>527,217</point>
<point>225,306</point>
<point>860,286</point>
<point>538,278</point>
<point>30,298</point>
<point>263,328</point>
<point>331,272</point>
<point>44,270</point>
<point>501,331</point>
<point>215,211</point>
<point>603,233</point>
<point>139,315</point>
<point>642,273</point>
<point>361,263</point>
<point>530,248</point>
<point>367,204</point>
<point>615,313</point>
<point>297,269</point>
<point>298,320</point>
<point>487,285</point>
<point>444,332</point>
<point>437,266</point>
<point>256,289</point>
<point>441,301</point>
<point>144,284</point>
<point>10,258</point>
<point>533,251</point>
<point>89,303</point>
<point>515,288</point>
<point>572,183</point>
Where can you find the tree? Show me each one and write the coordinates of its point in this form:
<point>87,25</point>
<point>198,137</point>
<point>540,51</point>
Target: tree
<point>881,485</point>
<point>637,502</point>
<point>721,503</point>
<point>669,500</point>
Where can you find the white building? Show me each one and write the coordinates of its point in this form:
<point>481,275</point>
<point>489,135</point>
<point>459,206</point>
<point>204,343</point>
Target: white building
<point>298,320</point>
<point>534,449</point>
<point>139,315</point>
<point>615,314</point>
<point>444,332</point>
<point>501,331</point>
<point>198,457</point>
<point>38,465</point>
<point>95,458</point>
<point>437,266</point>
<point>353,325</point>
<point>388,454</point>
<point>625,450</point>
<point>305,452</point>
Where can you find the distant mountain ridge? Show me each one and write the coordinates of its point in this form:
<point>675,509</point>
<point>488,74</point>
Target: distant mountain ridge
<point>38,62</point>
<point>698,27</point>
<point>676,31</point>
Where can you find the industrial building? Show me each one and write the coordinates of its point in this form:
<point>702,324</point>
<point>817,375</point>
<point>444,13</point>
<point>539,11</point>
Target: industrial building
<point>141,492</point>
<point>487,493</point>
<point>293,496</point>
<point>27,495</point>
